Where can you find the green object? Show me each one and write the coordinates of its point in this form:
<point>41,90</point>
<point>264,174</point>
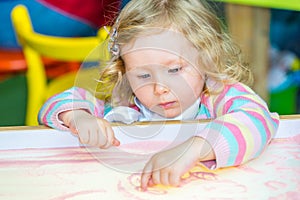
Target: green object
<point>13,95</point>
<point>284,102</point>
<point>279,4</point>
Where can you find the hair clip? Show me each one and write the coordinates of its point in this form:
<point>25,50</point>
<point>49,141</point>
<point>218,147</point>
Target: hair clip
<point>113,46</point>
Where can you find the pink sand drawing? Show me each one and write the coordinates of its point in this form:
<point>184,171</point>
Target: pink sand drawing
<point>81,173</point>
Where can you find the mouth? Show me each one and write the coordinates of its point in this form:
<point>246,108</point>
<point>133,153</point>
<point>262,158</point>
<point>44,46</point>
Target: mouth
<point>167,105</point>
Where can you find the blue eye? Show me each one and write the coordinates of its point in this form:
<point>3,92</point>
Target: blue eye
<point>144,76</point>
<point>175,70</point>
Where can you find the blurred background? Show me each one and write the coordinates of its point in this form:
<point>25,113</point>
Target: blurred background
<point>77,18</point>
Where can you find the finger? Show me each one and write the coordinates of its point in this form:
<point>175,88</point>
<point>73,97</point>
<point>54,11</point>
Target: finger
<point>164,178</point>
<point>146,176</point>
<point>112,139</point>
<point>116,142</point>
<point>150,182</point>
<point>93,138</point>
<point>109,135</point>
<point>73,130</point>
<point>83,137</point>
<point>102,138</point>
<point>109,138</point>
<point>174,179</point>
<point>156,177</point>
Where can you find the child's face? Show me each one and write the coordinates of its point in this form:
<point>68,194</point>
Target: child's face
<point>162,74</point>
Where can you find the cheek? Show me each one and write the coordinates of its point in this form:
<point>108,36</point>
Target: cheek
<point>190,86</point>
<point>145,95</point>
<point>197,85</point>
<point>188,94</point>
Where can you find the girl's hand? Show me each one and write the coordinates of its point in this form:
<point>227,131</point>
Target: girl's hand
<point>168,166</point>
<point>90,129</point>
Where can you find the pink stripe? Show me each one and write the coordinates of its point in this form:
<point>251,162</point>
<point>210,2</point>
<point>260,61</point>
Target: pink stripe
<point>255,133</point>
<point>219,145</point>
<point>48,109</point>
<point>263,120</point>
<point>240,88</point>
<point>228,104</point>
<point>221,96</point>
<point>82,92</point>
<point>237,86</point>
<point>236,132</point>
<point>99,110</point>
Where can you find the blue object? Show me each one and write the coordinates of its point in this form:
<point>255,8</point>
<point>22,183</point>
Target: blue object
<point>44,19</point>
<point>285,30</point>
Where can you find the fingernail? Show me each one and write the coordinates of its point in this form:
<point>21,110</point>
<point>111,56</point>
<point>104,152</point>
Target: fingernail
<point>116,143</point>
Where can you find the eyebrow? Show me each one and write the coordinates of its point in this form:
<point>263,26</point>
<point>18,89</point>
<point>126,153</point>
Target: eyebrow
<point>168,61</point>
<point>171,61</point>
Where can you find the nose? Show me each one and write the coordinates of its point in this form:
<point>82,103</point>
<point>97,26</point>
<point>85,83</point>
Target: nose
<point>160,89</point>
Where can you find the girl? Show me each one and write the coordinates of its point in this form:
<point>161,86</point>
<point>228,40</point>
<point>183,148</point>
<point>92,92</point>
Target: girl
<point>171,59</point>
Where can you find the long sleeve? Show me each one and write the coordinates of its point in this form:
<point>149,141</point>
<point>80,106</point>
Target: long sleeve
<point>74,98</point>
<point>241,125</point>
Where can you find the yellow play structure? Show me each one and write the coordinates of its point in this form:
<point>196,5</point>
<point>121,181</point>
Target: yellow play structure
<point>35,45</point>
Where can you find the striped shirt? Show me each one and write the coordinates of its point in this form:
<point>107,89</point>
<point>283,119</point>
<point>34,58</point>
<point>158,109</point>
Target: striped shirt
<point>240,129</point>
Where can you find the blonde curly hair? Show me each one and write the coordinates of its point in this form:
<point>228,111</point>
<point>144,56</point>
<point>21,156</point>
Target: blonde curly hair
<point>221,60</point>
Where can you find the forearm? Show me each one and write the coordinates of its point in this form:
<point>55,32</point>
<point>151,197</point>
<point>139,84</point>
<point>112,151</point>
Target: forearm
<point>72,99</point>
<point>241,125</point>
<point>202,148</point>
<point>238,137</point>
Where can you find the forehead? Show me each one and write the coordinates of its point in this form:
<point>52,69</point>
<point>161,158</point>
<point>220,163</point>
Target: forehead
<point>158,46</point>
<point>150,57</point>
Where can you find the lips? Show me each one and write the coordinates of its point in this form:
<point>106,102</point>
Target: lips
<point>167,105</point>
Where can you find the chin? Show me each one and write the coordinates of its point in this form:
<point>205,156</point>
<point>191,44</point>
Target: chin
<point>171,114</point>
